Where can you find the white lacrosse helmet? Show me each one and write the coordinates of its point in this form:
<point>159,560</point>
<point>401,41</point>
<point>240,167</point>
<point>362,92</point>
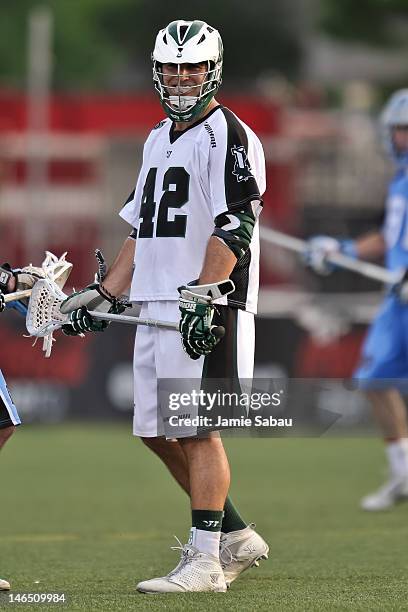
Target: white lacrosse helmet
<point>188,42</point>
<point>395,114</point>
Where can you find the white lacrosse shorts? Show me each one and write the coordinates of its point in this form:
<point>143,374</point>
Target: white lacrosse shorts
<point>159,354</point>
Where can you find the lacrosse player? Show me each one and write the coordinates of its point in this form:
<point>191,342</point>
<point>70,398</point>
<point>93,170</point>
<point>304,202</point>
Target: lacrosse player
<point>10,281</point>
<point>384,362</point>
<point>194,215</point>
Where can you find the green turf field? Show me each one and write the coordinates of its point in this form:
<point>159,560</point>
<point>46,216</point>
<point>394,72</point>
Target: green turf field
<point>89,512</point>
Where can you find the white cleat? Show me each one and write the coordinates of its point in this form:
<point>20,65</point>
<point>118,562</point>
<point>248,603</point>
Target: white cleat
<point>240,550</point>
<point>196,572</point>
<point>4,585</point>
<point>393,491</point>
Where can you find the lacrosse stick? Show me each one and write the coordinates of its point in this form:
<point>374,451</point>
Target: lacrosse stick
<point>52,267</point>
<point>17,295</point>
<point>344,261</point>
<point>44,315</point>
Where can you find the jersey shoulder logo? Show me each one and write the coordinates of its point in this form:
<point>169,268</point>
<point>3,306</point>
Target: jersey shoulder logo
<point>242,169</point>
<point>160,124</point>
<point>210,132</point>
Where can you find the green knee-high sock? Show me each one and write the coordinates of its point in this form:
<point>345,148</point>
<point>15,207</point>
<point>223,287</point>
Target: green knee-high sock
<point>232,520</point>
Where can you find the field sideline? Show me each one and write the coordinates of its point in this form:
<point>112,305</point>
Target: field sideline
<point>88,511</point>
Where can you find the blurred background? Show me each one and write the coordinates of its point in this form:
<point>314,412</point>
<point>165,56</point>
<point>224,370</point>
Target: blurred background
<point>76,104</point>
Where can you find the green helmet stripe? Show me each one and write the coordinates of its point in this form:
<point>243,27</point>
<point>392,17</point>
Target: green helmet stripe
<point>172,29</point>
<point>193,29</point>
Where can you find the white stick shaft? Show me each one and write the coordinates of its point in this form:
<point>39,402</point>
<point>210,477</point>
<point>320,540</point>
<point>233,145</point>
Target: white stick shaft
<point>344,261</point>
<point>133,320</point>
<point>17,295</point>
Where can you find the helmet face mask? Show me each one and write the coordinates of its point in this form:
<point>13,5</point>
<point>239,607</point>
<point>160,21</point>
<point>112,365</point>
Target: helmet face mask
<point>194,43</point>
<point>394,120</point>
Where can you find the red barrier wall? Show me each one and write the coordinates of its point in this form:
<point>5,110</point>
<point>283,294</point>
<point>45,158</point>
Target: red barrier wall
<point>122,114</point>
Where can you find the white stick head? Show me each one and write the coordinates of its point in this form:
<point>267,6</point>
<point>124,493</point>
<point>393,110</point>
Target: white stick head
<point>43,313</point>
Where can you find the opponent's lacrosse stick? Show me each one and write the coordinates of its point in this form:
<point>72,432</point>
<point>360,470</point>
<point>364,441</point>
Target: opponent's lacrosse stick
<point>52,267</point>
<point>44,315</point>
<point>344,261</point>
<point>17,295</point>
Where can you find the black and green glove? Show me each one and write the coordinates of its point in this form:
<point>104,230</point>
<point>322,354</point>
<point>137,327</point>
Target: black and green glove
<point>81,321</point>
<point>199,337</point>
<point>78,305</point>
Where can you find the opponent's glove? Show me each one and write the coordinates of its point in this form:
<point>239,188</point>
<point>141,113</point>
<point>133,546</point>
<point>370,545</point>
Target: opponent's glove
<point>2,302</point>
<point>23,279</point>
<point>27,277</point>
<point>6,273</point>
<point>77,305</point>
<point>320,247</point>
<point>198,336</point>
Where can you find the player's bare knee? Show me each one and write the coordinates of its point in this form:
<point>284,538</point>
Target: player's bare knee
<point>157,445</point>
<point>5,434</point>
<point>375,395</point>
<point>212,440</point>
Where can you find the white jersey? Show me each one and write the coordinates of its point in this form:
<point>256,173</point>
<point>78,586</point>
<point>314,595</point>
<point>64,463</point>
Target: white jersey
<point>188,179</point>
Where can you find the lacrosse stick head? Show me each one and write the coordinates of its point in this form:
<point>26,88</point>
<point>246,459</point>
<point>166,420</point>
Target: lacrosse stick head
<point>43,313</point>
<point>57,269</point>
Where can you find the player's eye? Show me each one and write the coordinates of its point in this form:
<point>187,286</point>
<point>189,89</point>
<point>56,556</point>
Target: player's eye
<point>194,68</point>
